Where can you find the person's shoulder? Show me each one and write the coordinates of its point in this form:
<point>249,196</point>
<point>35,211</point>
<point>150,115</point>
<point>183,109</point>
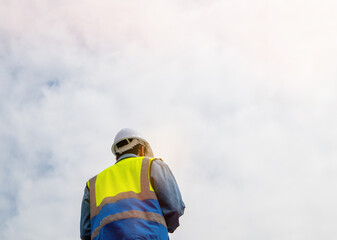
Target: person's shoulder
<point>102,173</point>
<point>159,162</point>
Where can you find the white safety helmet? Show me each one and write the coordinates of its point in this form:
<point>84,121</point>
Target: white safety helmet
<point>133,138</point>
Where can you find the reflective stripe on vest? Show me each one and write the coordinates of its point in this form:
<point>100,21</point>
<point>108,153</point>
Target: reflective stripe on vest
<point>126,180</point>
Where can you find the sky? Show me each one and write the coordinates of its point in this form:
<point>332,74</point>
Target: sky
<point>237,97</point>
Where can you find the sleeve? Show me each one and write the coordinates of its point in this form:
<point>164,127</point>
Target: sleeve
<point>85,231</point>
<point>168,194</point>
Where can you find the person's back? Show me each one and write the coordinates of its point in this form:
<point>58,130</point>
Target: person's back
<point>137,198</point>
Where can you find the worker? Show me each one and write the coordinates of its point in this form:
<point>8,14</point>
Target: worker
<point>136,198</point>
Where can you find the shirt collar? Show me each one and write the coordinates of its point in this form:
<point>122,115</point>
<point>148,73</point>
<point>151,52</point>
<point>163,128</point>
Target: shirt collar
<point>127,155</point>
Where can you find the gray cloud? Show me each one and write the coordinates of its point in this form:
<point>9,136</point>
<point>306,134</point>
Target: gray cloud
<point>237,97</point>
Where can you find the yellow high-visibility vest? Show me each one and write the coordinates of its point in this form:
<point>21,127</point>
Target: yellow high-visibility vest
<point>123,203</point>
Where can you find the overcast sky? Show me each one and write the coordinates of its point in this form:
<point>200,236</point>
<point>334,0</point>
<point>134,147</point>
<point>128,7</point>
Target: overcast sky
<point>237,97</point>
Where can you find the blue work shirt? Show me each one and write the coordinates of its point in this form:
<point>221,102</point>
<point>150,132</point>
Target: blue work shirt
<point>167,192</point>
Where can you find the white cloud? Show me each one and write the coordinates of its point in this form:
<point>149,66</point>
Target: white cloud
<point>237,97</point>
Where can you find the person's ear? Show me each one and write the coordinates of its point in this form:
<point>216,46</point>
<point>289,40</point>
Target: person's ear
<point>141,151</point>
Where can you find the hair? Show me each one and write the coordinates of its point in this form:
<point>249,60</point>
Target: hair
<point>133,150</point>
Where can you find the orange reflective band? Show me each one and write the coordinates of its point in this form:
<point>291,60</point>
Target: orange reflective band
<point>140,196</point>
<point>148,216</point>
<point>144,176</point>
<point>93,208</point>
